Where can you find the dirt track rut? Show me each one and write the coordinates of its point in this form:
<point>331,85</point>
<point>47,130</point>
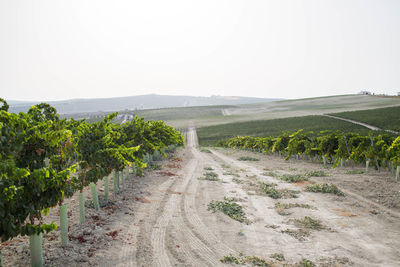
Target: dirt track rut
<point>175,228</point>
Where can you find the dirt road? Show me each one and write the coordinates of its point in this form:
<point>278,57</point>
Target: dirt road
<point>374,128</point>
<point>176,229</point>
<point>162,219</point>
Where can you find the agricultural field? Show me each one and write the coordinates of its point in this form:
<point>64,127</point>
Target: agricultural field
<point>384,118</point>
<point>211,134</point>
<point>209,206</point>
<point>215,115</point>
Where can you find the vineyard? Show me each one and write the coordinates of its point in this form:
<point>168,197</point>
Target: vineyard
<point>331,147</point>
<point>384,118</point>
<point>212,134</point>
<point>45,160</point>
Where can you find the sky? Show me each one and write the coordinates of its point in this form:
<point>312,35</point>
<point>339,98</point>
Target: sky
<point>53,49</point>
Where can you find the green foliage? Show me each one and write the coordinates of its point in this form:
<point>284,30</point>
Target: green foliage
<point>324,188</point>
<point>270,190</point>
<point>330,145</point>
<point>306,263</point>
<point>247,159</point>
<point>316,174</point>
<point>278,256</point>
<point>229,208</point>
<point>210,176</point>
<point>308,223</point>
<point>39,152</point>
<point>242,260</point>
<point>293,178</point>
<point>210,135</point>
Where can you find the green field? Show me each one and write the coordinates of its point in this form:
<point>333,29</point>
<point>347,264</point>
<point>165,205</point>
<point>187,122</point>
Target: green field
<point>184,113</point>
<point>213,115</point>
<point>211,134</point>
<point>384,118</point>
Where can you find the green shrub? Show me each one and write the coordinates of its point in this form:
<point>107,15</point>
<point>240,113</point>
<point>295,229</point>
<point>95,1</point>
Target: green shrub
<point>324,188</point>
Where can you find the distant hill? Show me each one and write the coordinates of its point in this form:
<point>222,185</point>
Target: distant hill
<point>151,101</point>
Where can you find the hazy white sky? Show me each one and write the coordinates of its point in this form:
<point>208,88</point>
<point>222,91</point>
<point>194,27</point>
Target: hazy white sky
<point>53,49</point>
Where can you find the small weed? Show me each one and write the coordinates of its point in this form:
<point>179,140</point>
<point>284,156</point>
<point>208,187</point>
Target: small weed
<point>355,172</point>
<point>292,169</point>
<point>306,263</point>
<point>282,212</point>
<point>324,188</point>
<point>236,180</point>
<point>270,173</point>
<point>242,260</point>
<point>293,178</point>
<point>270,190</point>
<point>230,259</point>
<point>208,169</point>
<point>229,208</point>
<point>233,199</point>
<point>210,176</point>
<point>279,205</point>
<point>299,234</point>
<point>278,256</point>
<point>245,158</point>
<point>240,233</point>
<point>225,166</point>
<point>205,150</point>
<point>231,173</point>
<point>316,174</point>
<point>308,223</point>
<point>272,226</point>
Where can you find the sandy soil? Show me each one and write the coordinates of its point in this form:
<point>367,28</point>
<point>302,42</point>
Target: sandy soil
<point>162,219</point>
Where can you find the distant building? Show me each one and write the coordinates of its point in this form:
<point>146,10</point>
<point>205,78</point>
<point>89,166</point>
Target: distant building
<point>365,93</point>
<point>398,93</point>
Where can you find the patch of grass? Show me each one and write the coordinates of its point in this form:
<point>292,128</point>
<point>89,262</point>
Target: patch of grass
<point>306,263</point>
<point>205,150</point>
<point>225,166</point>
<point>355,172</point>
<point>316,174</point>
<point>210,176</point>
<point>272,226</point>
<point>270,190</point>
<point>229,208</point>
<point>292,169</point>
<point>299,234</point>
<point>293,178</point>
<point>246,158</point>
<point>208,168</point>
<point>324,188</point>
<point>236,180</point>
<point>308,223</point>
<point>286,206</point>
<point>243,260</point>
<point>278,256</point>
<point>233,199</point>
<point>270,173</point>
<point>283,212</point>
<point>240,233</point>
<point>231,173</point>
